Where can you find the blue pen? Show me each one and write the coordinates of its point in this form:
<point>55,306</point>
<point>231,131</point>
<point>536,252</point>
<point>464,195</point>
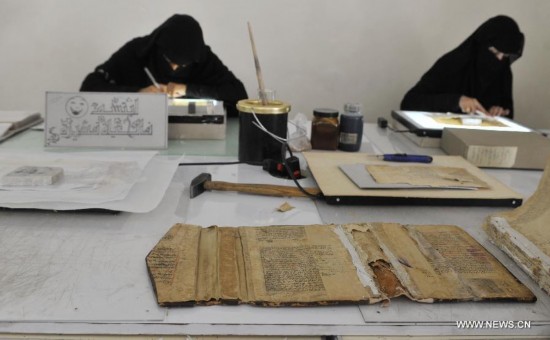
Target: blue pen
<point>403,157</point>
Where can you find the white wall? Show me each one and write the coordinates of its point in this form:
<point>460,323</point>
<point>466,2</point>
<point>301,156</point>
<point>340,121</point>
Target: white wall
<point>315,53</point>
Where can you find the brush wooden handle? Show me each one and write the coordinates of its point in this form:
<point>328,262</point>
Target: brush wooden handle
<point>260,189</point>
<point>257,65</point>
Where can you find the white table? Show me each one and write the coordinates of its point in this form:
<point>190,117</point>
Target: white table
<point>82,273</point>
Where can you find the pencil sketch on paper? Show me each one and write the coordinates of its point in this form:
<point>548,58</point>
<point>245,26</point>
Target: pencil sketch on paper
<point>116,116</point>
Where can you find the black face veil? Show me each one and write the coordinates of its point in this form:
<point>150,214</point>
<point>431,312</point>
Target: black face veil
<point>179,40</point>
<point>502,33</point>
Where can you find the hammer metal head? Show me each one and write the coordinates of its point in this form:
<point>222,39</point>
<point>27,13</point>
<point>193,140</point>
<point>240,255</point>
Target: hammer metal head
<point>197,184</point>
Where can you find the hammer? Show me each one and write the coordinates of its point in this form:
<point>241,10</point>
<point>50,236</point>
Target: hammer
<point>204,182</point>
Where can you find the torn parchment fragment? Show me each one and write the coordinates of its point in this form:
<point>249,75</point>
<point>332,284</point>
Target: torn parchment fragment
<point>285,207</point>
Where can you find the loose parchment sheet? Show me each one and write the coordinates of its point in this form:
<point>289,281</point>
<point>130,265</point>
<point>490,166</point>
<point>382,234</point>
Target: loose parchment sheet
<point>485,121</point>
<point>524,233</point>
<point>325,264</point>
<point>434,176</point>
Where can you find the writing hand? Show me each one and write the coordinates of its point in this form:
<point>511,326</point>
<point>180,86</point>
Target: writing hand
<point>498,111</point>
<point>470,105</point>
<point>176,90</point>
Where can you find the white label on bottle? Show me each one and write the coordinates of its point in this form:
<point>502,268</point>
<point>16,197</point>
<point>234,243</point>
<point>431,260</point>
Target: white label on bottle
<point>348,138</point>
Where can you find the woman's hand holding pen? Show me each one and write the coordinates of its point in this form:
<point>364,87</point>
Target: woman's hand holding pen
<point>173,90</point>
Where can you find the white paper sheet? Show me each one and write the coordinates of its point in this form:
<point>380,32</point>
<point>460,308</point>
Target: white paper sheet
<point>87,178</point>
<point>77,273</point>
<point>143,196</point>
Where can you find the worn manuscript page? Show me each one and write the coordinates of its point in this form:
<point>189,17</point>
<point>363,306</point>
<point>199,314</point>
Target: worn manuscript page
<point>275,265</point>
<point>436,263</point>
<point>524,233</point>
<point>301,265</point>
<point>195,265</point>
<point>458,121</point>
<point>173,265</point>
<point>433,176</point>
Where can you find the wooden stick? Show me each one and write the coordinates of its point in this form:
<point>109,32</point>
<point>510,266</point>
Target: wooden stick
<point>258,68</point>
<point>260,189</point>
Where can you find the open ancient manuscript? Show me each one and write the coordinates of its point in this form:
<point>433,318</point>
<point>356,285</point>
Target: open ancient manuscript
<point>325,264</point>
<point>524,233</point>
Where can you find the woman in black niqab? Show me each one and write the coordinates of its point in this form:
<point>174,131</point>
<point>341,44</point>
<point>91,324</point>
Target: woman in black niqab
<point>475,76</point>
<point>175,48</point>
<point>179,60</point>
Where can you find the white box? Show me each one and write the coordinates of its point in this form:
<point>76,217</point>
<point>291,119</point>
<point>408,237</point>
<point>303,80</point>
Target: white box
<point>196,119</point>
<point>498,149</point>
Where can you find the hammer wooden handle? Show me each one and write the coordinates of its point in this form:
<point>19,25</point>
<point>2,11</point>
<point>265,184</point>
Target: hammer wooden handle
<point>259,189</point>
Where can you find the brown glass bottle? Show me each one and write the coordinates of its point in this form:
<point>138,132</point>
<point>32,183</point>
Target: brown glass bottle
<point>324,129</point>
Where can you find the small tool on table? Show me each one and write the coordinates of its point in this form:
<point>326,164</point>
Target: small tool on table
<point>204,182</point>
<point>403,157</point>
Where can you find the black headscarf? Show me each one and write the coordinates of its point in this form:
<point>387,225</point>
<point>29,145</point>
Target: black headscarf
<point>471,69</point>
<point>179,39</point>
<point>502,33</point>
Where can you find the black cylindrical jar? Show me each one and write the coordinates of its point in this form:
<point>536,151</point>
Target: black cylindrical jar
<point>256,145</point>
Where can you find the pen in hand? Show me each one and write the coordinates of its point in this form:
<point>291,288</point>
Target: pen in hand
<point>150,75</point>
<point>403,157</point>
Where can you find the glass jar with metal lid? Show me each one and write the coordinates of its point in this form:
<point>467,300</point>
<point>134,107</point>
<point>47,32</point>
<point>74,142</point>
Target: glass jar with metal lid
<point>255,145</point>
<point>324,129</point>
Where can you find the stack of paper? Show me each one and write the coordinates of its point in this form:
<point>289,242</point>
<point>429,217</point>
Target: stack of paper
<point>524,235</point>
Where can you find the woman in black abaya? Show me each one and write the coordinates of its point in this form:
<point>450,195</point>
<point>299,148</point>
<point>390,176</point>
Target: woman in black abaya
<point>179,60</point>
<point>475,76</point>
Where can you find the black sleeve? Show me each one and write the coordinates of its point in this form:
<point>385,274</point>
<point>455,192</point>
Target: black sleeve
<point>122,72</point>
<point>417,100</point>
<point>216,81</point>
<point>434,92</point>
<point>507,100</point>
